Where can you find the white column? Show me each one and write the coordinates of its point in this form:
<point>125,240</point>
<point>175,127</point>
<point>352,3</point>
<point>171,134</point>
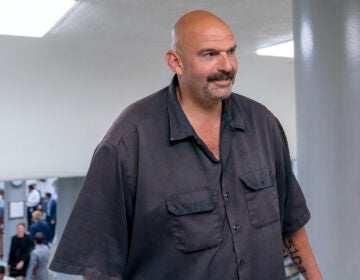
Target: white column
<point>327,78</point>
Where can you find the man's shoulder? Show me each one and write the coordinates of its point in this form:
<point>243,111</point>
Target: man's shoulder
<point>250,107</point>
<point>39,250</point>
<point>45,225</point>
<point>34,227</point>
<point>43,248</point>
<point>151,107</point>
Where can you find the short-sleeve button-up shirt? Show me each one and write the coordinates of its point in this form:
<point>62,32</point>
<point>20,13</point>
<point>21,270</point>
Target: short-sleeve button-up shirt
<point>157,204</point>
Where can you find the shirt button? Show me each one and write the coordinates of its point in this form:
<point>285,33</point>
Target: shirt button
<point>241,262</point>
<point>227,195</point>
<point>236,227</point>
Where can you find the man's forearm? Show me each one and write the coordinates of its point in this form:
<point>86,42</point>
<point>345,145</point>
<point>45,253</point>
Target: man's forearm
<point>298,248</point>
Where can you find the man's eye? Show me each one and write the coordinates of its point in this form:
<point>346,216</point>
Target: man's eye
<point>209,54</point>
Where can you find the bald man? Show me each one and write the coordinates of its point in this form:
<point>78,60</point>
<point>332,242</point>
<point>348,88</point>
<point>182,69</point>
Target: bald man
<point>193,182</point>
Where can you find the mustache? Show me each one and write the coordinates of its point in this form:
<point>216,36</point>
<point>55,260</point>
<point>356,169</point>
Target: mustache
<point>221,76</point>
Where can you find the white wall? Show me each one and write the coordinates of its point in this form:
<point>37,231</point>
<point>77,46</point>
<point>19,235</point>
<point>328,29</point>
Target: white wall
<point>270,81</point>
<point>56,113</point>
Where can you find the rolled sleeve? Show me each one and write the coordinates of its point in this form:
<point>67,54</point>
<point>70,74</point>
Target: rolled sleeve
<point>294,211</point>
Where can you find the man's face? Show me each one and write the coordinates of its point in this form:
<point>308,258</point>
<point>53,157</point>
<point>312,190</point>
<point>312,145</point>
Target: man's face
<point>209,63</point>
<point>20,230</point>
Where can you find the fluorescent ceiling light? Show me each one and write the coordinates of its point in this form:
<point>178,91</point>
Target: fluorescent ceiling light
<point>281,50</point>
<point>32,18</point>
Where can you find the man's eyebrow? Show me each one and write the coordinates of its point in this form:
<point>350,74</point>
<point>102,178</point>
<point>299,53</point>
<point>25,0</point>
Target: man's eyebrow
<point>233,48</point>
<point>202,51</point>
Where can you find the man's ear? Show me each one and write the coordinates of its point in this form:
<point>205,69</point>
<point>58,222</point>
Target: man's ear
<point>174,62</point>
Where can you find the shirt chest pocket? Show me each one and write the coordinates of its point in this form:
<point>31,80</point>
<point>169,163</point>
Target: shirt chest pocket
<point>261,197</point>
<point>195,220</point>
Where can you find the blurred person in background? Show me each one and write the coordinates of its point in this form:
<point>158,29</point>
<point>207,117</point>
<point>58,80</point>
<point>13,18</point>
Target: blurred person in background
<point>33,201</point>
<point>39,260</point>
<point>50,211</point>
<point>2,274</point>
<point>39,226</point>
<point>19,253</point>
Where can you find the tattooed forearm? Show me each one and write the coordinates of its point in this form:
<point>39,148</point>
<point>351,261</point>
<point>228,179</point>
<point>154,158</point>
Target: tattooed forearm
<point>294,254</point>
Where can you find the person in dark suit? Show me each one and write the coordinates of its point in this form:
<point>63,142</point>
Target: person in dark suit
<point>50,211</point>
<point>39,226</point>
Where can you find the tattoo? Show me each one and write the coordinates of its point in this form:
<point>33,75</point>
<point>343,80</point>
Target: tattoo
<point>297,260</point>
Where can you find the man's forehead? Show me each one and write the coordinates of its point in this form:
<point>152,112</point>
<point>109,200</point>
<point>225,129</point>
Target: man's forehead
<point>211,27</point>
<point>211,38</point>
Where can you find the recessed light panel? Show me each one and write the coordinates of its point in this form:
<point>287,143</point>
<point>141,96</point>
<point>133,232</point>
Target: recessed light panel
<point>280,50</point>
<point>31,18</point>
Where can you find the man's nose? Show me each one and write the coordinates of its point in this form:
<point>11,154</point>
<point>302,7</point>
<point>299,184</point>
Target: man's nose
<point>226,62</point>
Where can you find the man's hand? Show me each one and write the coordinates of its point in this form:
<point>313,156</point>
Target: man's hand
<point>19,265</point>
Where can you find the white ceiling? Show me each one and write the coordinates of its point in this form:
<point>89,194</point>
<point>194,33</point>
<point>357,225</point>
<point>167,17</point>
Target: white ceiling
<point>60,93</point>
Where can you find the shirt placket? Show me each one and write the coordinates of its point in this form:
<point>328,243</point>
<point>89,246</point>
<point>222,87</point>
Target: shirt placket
<point>228,194</point>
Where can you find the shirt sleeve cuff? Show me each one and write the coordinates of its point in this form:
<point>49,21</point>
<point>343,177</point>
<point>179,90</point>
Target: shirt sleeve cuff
<point>298,224</point>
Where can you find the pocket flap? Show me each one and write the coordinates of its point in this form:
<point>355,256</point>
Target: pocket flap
<point>259,179</point>
<point>191,202</point>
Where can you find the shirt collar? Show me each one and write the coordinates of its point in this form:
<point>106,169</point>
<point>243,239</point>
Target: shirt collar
<point>180,127</point>
<point>233,113</point>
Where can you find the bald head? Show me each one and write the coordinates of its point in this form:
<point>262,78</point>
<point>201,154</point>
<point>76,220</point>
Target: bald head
<point>203,57</point>
<point>192,24</point>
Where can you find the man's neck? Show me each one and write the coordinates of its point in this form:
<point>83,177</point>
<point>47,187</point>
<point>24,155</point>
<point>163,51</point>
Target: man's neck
<point>203,111</point>
<point>205,119</point>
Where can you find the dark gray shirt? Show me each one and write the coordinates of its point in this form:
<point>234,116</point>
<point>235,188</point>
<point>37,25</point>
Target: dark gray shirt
<point>157,204</point>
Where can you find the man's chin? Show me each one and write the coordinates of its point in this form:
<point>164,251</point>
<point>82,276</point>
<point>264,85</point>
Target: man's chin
<point>218,95</point>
